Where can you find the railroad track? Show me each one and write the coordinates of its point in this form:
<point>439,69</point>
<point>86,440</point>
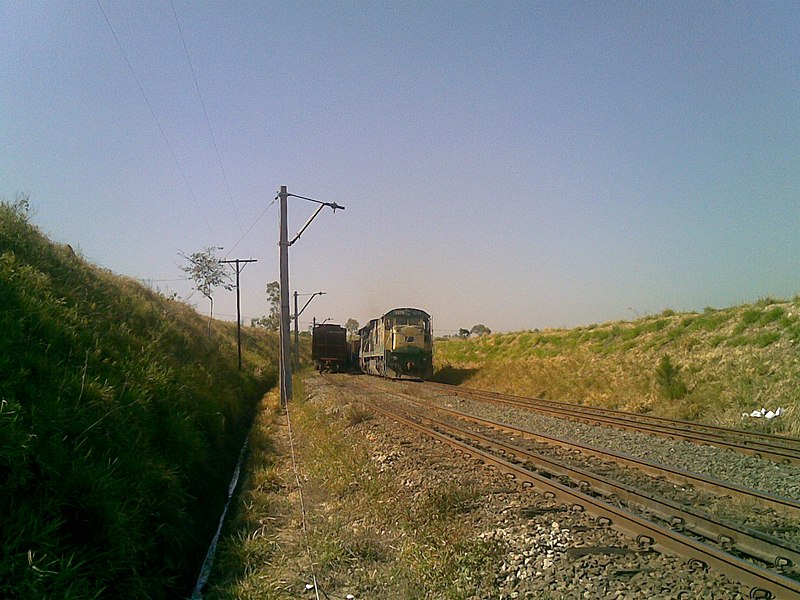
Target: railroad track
<point>773,447</point>
<point>655,522</point>
<point>678,477</point>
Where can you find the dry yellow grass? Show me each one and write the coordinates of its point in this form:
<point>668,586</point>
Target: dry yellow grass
<point>732,361</point>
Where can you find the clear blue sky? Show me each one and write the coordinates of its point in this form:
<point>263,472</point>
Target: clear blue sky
<point>516,164</point>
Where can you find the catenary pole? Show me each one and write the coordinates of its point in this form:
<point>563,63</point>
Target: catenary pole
<point>238,302</point>
<point>285,354</point>
<point>284,243</point>
<point>296,335</point>
<point>296,327</point>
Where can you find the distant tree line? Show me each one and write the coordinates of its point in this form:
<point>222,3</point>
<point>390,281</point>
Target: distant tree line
<point>476,331</point>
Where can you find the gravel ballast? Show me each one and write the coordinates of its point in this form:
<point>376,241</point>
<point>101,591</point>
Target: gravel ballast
<point>726,465</point>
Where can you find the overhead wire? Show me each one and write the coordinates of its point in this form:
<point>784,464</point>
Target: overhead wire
<point>253,224</point>
<point>145,279</point>
<point>169,145</point>
<point>155,118</point>
<point>208,121</point>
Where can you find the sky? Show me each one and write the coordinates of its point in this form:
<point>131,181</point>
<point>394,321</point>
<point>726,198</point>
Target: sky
<point>516,164</point>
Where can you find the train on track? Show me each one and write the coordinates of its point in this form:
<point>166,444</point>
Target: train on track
<point>330,349</point>
<point>396,345</point>
<point>399,344</point>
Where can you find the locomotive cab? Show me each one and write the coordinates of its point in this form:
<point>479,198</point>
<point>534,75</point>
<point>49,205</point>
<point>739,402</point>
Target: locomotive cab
<point>398,344</point>
<point>407,347</point>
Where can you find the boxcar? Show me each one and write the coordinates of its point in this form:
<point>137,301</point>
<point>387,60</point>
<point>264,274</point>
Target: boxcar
<point>329,348</point>
<point>398,344</point>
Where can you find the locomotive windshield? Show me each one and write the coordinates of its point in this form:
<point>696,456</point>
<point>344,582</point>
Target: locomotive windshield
<point>407,320</point>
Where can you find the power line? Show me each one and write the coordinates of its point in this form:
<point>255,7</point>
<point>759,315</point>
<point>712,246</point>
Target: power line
<point>253,224</point>
<point>314,585</point>
<point>155,118</point>
<point>208,121</point>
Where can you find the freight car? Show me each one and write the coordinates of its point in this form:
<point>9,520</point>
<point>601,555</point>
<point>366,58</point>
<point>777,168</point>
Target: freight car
<point>329,347</point>
<point>398,344</point>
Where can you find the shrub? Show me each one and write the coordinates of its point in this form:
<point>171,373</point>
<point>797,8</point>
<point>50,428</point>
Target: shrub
<point>750,316</point>
<point>670,380</point>
<point>773,314</point>
<point>357,413</point>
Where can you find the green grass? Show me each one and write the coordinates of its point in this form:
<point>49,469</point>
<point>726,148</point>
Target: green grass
<point>120,421</point>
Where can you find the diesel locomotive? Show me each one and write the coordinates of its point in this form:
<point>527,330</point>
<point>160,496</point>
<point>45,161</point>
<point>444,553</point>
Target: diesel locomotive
<point>399,344</point>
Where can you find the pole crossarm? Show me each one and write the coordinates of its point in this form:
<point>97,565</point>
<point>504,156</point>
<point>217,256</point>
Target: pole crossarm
<point>296,316</point>
<point>333,205</point>
<point>299,233</point>
<point>309,301</point>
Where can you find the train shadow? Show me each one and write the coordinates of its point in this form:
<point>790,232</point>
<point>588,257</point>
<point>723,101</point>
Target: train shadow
<point>452,375</point>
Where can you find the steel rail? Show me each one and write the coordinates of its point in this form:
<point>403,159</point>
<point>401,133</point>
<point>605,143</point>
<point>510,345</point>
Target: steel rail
<point>763,547</point>
<point>635,422</point>
<point>763,583</point>
<point>787,507</point>
<point>754,436</point>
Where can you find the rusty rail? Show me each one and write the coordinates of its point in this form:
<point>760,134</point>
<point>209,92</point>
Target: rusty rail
<point>762,582</point>
<point>773,447</point>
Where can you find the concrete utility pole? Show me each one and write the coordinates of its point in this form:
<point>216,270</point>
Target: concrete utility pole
<point>286,365</point>
<point>284,243</point>
<point>238,303</point>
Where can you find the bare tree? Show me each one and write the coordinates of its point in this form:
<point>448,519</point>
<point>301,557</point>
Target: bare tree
<point>207,273</point>
<point>22,204</point>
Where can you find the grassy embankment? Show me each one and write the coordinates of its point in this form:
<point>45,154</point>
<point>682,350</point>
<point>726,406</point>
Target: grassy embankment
<point>120,422</point>
<point>710,366</point>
